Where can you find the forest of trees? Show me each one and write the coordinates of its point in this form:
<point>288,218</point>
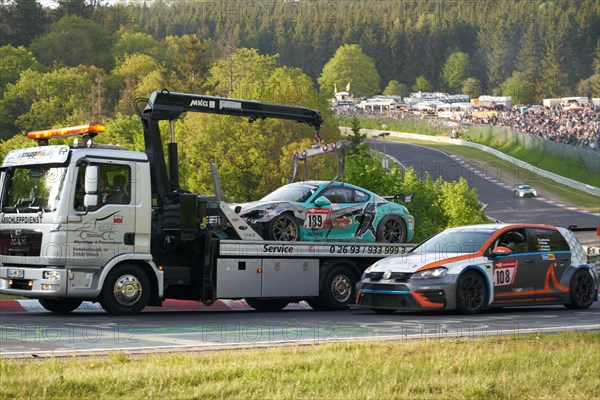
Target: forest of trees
<point>78,61</point>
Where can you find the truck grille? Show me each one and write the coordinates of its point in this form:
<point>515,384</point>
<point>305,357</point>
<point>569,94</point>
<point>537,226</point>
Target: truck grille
<point>19,242</point>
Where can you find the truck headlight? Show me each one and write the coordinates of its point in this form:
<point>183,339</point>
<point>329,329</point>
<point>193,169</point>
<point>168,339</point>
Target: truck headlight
<point>433,273</point>
<point>54,275</point>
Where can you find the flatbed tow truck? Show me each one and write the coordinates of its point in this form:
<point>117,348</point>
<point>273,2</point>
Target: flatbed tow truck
<point>93,222</point>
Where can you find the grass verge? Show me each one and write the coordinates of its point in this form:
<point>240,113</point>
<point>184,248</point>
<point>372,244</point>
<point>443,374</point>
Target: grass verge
<point>528,366</point>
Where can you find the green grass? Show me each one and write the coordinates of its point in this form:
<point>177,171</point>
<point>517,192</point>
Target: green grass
<point>10,297</point>
<point>530,366</point>
<point>510,173</point>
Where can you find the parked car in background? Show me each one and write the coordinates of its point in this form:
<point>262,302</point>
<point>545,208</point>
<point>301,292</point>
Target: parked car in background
<point>473,267</point>
<point>327,211</point>
<point>525,191</point>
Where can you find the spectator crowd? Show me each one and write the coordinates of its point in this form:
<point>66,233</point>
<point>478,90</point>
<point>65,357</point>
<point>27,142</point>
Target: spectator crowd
<point>576,126</point>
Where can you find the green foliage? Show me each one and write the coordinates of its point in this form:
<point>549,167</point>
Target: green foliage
<point>356,139</point>
<point>459,204</point>
<point>350,66</point>
<point>455,71</point>
<point>73,41</point>
<point>520,89</point>
<point>44,100</point>
<point>13,61</point>
<point>124,130</point>
<point>128,43</point>
<point>472,87</point>
<point>395,88</point>
<point>422,84</point>
<point>190,58</point>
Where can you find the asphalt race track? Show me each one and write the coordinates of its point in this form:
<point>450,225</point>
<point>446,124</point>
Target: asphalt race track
<point>501,202</point>
<point>41,334</point>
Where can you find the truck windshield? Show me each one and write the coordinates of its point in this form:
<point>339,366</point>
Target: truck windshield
<point>31,188</point>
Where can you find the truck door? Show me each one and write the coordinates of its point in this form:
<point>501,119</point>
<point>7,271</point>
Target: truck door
<point>102,232</point>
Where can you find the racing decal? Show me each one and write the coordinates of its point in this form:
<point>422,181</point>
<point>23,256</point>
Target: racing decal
<point>317,218</point>
<point>550,277</point>
<point>505,272</point>
<point>548,257</point>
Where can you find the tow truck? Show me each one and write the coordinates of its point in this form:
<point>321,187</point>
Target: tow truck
<point>65,237</point>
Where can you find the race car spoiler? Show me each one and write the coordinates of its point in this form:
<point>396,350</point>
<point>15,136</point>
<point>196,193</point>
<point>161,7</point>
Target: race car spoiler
<point>406,198</point>
<point>574,228</point>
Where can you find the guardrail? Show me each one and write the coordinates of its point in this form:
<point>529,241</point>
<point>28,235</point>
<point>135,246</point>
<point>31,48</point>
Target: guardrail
<point>521,164</point>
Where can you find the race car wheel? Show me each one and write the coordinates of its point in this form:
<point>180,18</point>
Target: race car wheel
<point>267,304</point>
<point>282,228</point>
<point>60,306</point>
<point>582,290</point>
<point>391,229</point>
<point>126,290</point>
<point>470,293</point>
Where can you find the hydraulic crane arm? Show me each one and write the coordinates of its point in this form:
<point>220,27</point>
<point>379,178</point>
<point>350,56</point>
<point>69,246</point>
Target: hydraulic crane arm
<point>165,105</point>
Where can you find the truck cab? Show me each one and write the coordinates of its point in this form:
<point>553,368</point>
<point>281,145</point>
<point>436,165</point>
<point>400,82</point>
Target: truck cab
<point>65,211</point>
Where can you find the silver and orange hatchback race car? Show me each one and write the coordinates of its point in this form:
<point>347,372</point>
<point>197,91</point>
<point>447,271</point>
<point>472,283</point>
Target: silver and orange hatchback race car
<point>470,268</point>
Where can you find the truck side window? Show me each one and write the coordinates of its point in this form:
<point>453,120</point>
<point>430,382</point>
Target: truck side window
<point>114,186</point>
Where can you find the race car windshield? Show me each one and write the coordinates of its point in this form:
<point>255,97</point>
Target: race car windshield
<point>455,242</point>
<point>294,192</point>
<point>31,188</point>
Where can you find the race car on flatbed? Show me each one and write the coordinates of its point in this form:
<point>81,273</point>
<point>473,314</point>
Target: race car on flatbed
<point>470,268</point>
<point>327,211</point>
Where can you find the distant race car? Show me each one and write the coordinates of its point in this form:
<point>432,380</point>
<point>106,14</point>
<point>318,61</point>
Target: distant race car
<point>473,267</point>
<point>326,211</point>
<point>525,191</point>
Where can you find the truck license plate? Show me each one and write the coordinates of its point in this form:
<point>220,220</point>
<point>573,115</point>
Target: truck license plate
<point>16,273</point>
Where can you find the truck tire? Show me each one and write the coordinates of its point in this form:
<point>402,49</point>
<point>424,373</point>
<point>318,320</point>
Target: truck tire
<point>283,227</point>
<point>470,293</point>
<point>60,306</point>
<point>582,291</point>
<point>267,304</point>
<point>126,290</point>
<point>338,290</point>
<point>391,229</point>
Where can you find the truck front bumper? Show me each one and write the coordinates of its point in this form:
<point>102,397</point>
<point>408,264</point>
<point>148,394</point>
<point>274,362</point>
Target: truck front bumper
<point>33,282</point>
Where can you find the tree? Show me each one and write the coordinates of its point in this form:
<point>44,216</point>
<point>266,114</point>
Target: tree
<point>73,41</point>
<point>21,21</point>
<point>190,58</point>
<point>455,71</point>
<point>395,88</point>
<point>350,66</point>
<point>44,100</point>
<point>129,43</point>
<point>422,84</point>
<point>520,89</point>
<point>357,138</point>
<point>13,61</point>
<point>472,87</point>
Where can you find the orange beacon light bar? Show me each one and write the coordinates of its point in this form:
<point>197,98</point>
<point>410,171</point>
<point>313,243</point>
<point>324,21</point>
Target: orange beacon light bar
<point>89,129</point>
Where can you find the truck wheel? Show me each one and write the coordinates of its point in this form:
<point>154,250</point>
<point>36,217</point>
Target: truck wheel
<point>338,290</point>
<point>60,306</point>
<point>283,227</point>
<point>582,290</point>
<point>470,293</point>
<point>126,290</point>
<point>391,229</point>
<point>267,304</point>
